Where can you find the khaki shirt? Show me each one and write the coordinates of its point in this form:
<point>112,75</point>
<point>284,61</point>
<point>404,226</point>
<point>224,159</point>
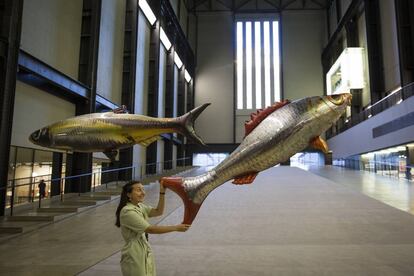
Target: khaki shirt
<point>137,258</point>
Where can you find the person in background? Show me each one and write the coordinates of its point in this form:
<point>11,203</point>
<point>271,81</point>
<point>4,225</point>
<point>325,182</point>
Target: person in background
<point>132,217</point>
<point>42,188</point>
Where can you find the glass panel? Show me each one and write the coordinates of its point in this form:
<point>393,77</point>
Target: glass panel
<point>258,64</point>
<point>266,47</point>
<point>276,61</point>
<point>239,65</point>
<point>42,170</point>
<point>24,190</point>
<point>249,65</point>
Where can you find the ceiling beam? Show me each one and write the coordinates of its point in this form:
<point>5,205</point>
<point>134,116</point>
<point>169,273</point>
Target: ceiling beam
<point>272,4</point>
<point>197,4</point>
<point>242,4</point>
<point>318,3</point>
<point>224,4</point>
<point>288,4</point>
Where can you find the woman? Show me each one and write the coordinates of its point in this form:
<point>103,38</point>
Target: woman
<point>132,215</point>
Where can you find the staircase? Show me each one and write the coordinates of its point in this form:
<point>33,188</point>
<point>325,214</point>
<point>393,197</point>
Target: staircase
<point>52,210</point>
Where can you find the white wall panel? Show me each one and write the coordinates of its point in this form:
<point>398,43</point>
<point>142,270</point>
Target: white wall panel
<point>302,44</point>
<point>35,109</point>
<point>161,81</point>
<point>111,50</point>
<point>161,98</point>
<point>362,38</point>
<point>141,83</point>
<point>389,40</point>
<point>51,31</point>
<point>214,78</point>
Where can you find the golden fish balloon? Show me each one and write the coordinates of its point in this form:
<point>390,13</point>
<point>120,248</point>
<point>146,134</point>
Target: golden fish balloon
<point>110,131</point>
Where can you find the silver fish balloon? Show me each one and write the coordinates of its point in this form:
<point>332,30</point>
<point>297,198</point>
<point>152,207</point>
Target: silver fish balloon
<point>272,136</point>
<point>110,131</point>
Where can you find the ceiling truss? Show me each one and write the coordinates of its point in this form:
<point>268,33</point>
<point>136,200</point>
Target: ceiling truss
<point>199,6</point>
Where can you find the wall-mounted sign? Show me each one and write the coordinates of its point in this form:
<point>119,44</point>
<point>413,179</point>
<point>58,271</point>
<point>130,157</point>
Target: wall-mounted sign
<point>347,72</point>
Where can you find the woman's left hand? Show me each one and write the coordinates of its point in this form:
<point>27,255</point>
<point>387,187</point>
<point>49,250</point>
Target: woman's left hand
<point>162,188</point>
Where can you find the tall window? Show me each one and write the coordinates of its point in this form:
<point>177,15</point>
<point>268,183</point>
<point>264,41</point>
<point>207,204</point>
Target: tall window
<point>258,63</point>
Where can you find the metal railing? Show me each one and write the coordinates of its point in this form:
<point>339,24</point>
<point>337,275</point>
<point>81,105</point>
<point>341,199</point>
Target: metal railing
<point>383,104</point>
<point>21,193</point>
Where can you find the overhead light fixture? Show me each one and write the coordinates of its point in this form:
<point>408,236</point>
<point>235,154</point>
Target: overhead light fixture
<point>147,11</point>
<point>370,115</point>
<point>187,76</point>
<point>164,39</point>
<point>400,101</point>
<point>177,61</point>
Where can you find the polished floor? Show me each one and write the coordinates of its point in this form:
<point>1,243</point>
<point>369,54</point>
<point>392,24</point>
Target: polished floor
<point>290,221</point>
<point>398,193</point>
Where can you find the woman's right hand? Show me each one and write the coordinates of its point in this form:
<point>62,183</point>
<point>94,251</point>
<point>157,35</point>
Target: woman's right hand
<point>182,227</point>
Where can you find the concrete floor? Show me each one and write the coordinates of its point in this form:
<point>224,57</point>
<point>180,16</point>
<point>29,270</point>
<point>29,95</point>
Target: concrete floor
<point>288,222</point>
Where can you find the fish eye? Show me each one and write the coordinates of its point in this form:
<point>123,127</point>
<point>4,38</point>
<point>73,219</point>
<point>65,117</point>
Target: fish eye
<point>44,131</point>
<point>336,99</point>
<point>36,135</point>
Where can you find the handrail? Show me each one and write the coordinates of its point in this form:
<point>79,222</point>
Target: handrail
<point>80,175</point>
<point>390,100</point>
<point>44,175</point>
<point>87,174</point>
<point>66,177</point>
<point>11,185</point>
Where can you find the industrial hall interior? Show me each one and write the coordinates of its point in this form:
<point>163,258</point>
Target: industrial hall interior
<point>207,137</point>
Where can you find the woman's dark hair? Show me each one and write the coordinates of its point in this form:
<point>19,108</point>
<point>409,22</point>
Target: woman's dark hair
<point>126,189</point>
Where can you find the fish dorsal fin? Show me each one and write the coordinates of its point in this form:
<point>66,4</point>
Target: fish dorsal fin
<point>245,178</point>
<point>319,143</point>
<point>121,110</point>
<point>257,117</point>
<point>149,140</point>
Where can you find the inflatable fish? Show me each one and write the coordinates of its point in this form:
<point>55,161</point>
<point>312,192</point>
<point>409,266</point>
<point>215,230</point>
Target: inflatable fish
<point>273,135</point>
<point>110,131</point>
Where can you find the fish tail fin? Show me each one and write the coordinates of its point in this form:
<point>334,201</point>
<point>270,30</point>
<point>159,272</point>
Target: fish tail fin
<point>176,185</point>
<point>187,121</point>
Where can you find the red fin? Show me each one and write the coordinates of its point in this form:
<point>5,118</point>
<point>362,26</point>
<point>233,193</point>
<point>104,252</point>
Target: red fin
<point>320,144</point>
<point>245,178</point>
<point>176,185</point>
<point>257,117</point>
